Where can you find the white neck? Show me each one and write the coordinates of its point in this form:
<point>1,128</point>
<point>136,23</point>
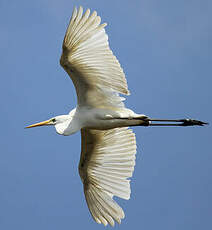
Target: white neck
<point>66,125</point>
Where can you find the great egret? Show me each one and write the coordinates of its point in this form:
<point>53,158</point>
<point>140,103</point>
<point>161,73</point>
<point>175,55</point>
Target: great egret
<point>108,145</point>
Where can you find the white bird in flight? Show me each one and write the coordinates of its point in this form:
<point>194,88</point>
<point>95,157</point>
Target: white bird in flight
<point>108,146</point>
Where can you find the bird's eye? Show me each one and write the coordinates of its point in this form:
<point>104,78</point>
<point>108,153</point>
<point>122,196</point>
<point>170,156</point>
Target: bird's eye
<point>53,120</point>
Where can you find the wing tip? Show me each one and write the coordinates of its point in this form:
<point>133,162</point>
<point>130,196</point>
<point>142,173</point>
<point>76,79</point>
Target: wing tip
<point>102,207</point>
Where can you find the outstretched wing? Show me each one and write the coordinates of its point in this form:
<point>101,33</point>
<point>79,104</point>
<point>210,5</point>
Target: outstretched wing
<point>87,58</point>
<point>107,161</point>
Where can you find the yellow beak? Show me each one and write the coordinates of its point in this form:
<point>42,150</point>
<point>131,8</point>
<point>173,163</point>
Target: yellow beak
<point>39,124</point>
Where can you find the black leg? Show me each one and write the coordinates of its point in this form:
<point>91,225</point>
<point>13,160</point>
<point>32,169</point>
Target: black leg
<point>179,122</point>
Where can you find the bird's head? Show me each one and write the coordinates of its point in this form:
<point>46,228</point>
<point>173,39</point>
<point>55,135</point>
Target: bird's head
<point>60,122</point>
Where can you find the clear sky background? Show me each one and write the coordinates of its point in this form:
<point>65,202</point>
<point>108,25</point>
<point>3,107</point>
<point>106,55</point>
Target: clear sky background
<point>165,49</point>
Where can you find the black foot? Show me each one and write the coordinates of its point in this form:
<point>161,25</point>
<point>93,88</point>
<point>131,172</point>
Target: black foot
<point>190,122</point>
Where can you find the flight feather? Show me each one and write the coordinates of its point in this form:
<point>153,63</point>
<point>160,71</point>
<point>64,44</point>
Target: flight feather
<point>89,61</point>
<point>107,161</point>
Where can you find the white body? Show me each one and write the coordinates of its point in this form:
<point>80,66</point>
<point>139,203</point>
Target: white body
<point>96,118</point>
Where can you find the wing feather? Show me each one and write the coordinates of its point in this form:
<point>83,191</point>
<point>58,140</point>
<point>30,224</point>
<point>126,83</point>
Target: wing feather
<point>89,61</point>
<point>107,161</point>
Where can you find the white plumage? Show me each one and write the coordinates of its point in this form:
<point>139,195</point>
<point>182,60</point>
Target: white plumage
<point>107,157</point>
<point>107,160</point>
<point>108,146</point>
<point>87,58</point>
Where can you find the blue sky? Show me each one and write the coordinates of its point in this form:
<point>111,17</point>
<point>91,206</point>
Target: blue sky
<point>165,49</point>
